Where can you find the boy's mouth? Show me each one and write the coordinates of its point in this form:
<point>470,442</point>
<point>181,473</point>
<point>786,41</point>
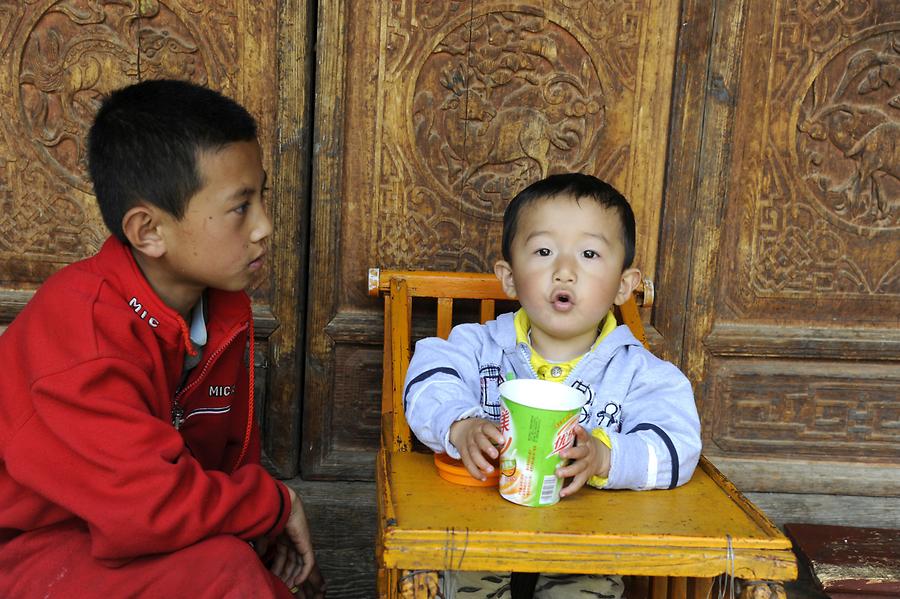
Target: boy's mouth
<point>258,262</point>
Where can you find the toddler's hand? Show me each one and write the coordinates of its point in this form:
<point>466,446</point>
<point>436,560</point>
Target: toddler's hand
<point>590,457</point>
<point>475,439</point>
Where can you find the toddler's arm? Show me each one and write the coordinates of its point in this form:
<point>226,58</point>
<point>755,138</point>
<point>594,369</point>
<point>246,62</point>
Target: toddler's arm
<point>657,443</point>
<point>442,386</point>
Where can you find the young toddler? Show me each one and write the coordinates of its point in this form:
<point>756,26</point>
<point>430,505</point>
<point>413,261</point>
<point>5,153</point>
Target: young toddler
<point>568,246</point>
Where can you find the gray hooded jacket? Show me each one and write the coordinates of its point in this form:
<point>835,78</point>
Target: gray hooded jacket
<point>645,404</point>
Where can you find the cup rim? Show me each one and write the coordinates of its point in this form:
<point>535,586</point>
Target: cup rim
<point>568,398</point>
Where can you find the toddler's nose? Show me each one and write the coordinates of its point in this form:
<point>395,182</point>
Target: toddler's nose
<point>564,272</point>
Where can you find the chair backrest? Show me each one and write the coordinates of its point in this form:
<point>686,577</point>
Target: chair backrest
<point>399,288</point>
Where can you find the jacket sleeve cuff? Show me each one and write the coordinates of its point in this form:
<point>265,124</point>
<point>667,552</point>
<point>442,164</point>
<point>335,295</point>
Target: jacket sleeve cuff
<point>600,434</point>
<point>284,511</point>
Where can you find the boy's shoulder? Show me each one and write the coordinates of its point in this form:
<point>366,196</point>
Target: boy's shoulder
<point>96,307</point>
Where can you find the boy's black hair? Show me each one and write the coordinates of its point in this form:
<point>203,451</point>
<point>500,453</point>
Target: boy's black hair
<point>577,186</point>
<point>146,139</point>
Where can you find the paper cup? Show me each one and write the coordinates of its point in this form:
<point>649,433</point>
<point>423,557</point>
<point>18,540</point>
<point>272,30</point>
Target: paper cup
<point>537,419</point>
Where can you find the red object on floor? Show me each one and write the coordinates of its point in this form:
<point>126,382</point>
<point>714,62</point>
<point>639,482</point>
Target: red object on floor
<point>850,562</point>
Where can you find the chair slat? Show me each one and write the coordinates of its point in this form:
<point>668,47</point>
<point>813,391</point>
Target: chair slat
<point>631,316</point>
<point>444,316</point>
<point>487,310</point>
<point>400,334</point>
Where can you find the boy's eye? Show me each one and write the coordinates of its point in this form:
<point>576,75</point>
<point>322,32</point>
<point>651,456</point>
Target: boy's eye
<point>543,252</point>
<point>242,209</point>
<point>590,254</point>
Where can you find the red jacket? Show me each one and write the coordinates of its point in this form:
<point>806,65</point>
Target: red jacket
<point>90,370</point>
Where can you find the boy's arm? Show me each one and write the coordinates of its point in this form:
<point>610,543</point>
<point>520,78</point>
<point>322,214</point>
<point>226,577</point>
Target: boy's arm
<point>94,447</point>
<point>659,443</point>
<point>442,386</point>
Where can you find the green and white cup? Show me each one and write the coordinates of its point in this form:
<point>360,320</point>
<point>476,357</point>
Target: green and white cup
<point>537,419</point>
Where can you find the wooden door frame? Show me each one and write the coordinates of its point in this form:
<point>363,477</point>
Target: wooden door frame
<point>280,420</point>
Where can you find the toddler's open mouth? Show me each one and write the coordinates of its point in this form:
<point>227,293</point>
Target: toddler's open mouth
<point>562,300</point>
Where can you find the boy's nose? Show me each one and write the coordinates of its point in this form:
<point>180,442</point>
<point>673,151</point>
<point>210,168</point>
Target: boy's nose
<point>263,227</point>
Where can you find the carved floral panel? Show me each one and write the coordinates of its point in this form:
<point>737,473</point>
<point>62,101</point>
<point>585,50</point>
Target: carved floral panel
<point>478,99</point>
<point>58,59</point>
<point>817,168</point>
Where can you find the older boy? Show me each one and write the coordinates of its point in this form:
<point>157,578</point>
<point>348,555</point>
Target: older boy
<point>129,454</point>
<point>568,246</point>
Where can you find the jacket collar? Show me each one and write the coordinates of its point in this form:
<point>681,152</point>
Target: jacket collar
<point>227,309</point>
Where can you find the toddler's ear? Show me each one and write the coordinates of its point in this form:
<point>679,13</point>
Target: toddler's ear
<point>141,225</point>
<point>504,272</point>
<point>628,282</point>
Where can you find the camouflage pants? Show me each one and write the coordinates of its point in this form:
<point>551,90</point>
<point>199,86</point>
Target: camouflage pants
<point>493,585</point>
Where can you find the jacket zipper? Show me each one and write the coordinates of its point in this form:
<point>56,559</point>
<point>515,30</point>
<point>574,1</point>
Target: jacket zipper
<point>178,413</point>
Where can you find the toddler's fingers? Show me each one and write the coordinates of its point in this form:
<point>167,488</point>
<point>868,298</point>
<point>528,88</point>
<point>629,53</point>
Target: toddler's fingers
<point>576,452</point>
<point>468,460</point>
<point>573,486</point>
<point>572,469</point>
<point>483,440</point>
<point>481,463</point>
<point>494,434</point>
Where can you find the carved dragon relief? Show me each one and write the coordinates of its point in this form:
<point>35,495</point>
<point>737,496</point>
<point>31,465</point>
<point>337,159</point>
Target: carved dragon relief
<point>62,57</point>
<point>835,184</point>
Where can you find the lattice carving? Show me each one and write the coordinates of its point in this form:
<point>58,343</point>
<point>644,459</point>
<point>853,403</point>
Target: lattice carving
<point>812,411</point>
<point>475,105</point>
<point>821,159</point>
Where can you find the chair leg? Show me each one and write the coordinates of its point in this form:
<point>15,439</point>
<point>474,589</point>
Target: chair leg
<point>387,583</point>
<point>659,587</point>
<point>699,588</point>
<point>677,587</point>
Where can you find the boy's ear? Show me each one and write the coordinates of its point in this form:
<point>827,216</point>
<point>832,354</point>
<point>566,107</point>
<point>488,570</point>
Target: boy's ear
<point>503,271</point>
<point>141,225</point>
<point>629,281</point>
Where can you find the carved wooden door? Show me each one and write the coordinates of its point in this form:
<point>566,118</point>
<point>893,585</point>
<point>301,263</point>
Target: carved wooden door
<point>794,296</point>
<point>59,57</point>
<point>430,117</point>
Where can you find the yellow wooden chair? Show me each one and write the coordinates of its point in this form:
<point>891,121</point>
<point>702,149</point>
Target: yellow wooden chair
<point>675,540</point>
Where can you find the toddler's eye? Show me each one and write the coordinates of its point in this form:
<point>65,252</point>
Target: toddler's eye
<point>242,209</point>
<point>543,252</point>
<point>590,254</point>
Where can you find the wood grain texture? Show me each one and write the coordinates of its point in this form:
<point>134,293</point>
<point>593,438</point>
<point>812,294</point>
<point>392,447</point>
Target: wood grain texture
<point>791,330</point>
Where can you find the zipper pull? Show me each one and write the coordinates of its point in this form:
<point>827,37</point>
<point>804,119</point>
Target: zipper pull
<point>177,416</point>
